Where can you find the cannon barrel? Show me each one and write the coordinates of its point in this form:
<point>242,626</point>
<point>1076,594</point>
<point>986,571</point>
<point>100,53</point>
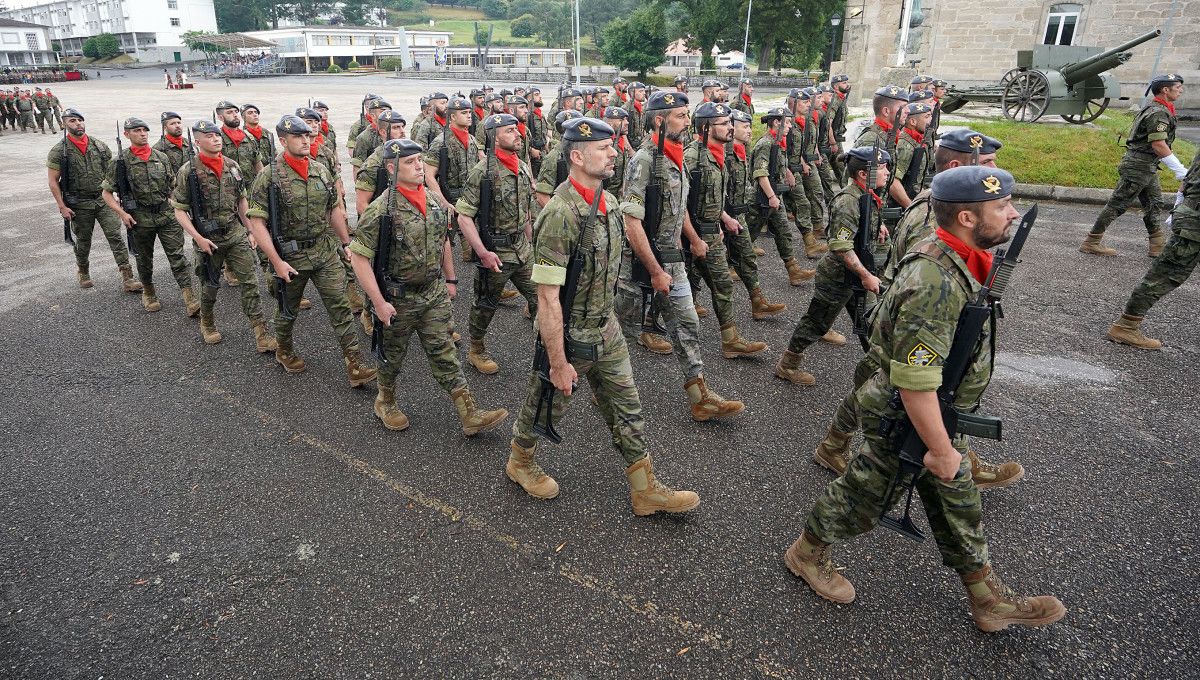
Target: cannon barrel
<point>1099,63</point>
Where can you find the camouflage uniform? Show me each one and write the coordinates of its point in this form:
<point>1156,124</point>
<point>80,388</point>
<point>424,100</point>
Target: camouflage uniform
<point>245,153</point>
<point>714,267</point>
<point>592,322</point>
<point>365,144</point>
<point>742,104</point>
<point>428,131</point>
<point>829,179</point>
<point>636,130</point>
<point>42,113</point>
<point>739,203</point>
<point>460,158</point>
<point>616,183</point>
<point>537,132</point>
<point>55,108</point>
<point>548,178</point>
<point>266,143</point>
<point>176,155</point>
<point>775,218</point>
<point>366,176</point>
<point>1177,261</point>
<point>151,181</point>
<point>1138,170</point>
<point>912,335</point>
<point>25,113</point>
<point>906,149</point>
<point>806,200</point>
<point>86,176</point>
<point>356,129</point>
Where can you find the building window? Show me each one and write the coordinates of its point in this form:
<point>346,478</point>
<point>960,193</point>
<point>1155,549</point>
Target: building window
<point>1061,24</point>
<point>174,21</point>
<point>31,41</point>
<point>172,4</point>
<point>9,38</point>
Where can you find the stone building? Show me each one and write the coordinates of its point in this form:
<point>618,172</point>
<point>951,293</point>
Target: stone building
<point>973,43</point>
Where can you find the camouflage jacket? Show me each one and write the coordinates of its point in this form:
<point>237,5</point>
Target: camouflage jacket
<point>327,155</point>
<point>616,183</point>
<point>330,136</point>
<point>221,196</point>
<point>41,101</point>
<point>356,128</point>
<point>547,179</point>
<point>427,132</point>
<point>176,155</point>
<point>512,205</point>
<point>365,144</point>
<point>1154,123</point>
<point>592,318</point>
<point>245,154</point>
<point>674,183</point>
<point>417,240</point>
<point>461,160</point>
<point>843,225</point>
<point>150,180</point>
<point>760,164</point>
<point>24,104</point>
<point>837,116</point>
<point>85,174</point>
<point>636,131</point>
<point>366,176</point>
<point>710,190</point>
<point>1186,215</point>
<point>873,132</point>
<point>739,188</point>
<point>906,150</point>
<point>304,203</point>
<point>802,142</point>
<point>742,105</point>
<point>537,131</point>
<point>264,144</point>
<point>916,225</point>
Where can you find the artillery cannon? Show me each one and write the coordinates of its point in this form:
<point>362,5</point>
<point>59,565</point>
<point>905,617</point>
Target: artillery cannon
<point>1070,81</point>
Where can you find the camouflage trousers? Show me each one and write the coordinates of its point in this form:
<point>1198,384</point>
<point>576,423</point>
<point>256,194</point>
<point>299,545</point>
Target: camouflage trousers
<point>777,220</point>
<point>237,254</point>
<point>846,418</point>
<point>57,116</point>
<point>829,182</point>
<point>1139,182</point>
<point>427,313</point>
<point>83,225</point>
<point>677,310</point>
<point>739,252</point>
<point>815,193</point>
<point>165,227</point>
<point>795,202</point>
<point>610,377</point>
<point>1170,269</point>
<point>850,505</point>
<point>323,267</point>
<point>25,120</point>
<point>44,117</point>
<point>489,285</point>
<point>714,270</point>
<point>829,298</point>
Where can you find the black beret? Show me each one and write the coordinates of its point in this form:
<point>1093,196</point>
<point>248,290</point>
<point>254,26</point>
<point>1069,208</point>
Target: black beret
<point>565,115</point>
<point>972,184</point>
<point>571,92</point>
<point>938,82</point>
<point>921,80</point>
<point>458,104</point>
<point>168,115</point>
<point>839,78</point>
<point>292,125</point>
<point>307,113</point>
<point>822,88</point>
<point>600,90</point>
<point>740,116</point>
<point>135,123</point>
<point>680,79</point>
<point>920,96</point>
<point>864,154</point>
<point>964,140</point>
<point>636,85</point>
<point>532,89</point>
<point>618,80</point>
<point>517,100</point>
<point>1164,79</point>
<point>709,82</point>
<point>795,93</point>
<point>498,120</point>
<point>438,95</point>
<point>587,130</point>
<point>247,107</point>
<point>399,148</point>
<point>476,93</point>
<point>225,104</point>
<point>893,92</point>
<point>662,101</point>
<point>378,104</point>
<point>200,126</point>
<point>505,92</point>
<point>424,101</point>
<point>711,110</point>
<point>389,117</point>
<point>917,108</point>
<point>492,97</point>
<point>777,112</point>
<point>615,112</point>
<point>318,104</point>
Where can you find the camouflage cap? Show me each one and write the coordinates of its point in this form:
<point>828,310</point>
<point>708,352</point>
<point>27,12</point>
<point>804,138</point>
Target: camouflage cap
<point>391,117</point>
<point>225,104</point>
<point>865,154</point>
<point>740,116</point>
<point>135,123</point>
<point>169,115</point>
<point>563,116</point>
<point>458,104</point>
<point>916,108</point>
<point>202,127</point>
<point>892,92</point>
<point>72,113</point>
<point>306,113</point>
<point>839,78</point>
<point>498,120</point>
<point>921,80</point>
<point>292,125</point>
<point>400,148</point>
<point>662,101</point>
<point>587,130</point>
<point>319,105</point>
<point>615,113</point>
<point>972,184</point>
<point>965,140</point>
<point>709,110</point>
<point>247,107</point>
<point>920,96</point>
<point>777,113</point>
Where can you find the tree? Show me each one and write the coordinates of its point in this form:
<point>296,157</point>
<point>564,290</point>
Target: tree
<point>90,50</point>
<point>494,9</point>
<point>796,27</point>
<point>554,23</point>
<point>706,21</point>
<point>638,42</point>
<point>106,45</point>
<point>307,11</point>
<point>524,26</point>
<point>354,12</point>
<point>517,8</point>
<point>594,15</point>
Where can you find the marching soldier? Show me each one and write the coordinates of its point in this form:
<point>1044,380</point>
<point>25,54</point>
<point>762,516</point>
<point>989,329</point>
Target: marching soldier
<point>660,253</point>
<point>620,91</point>
<point>887,101</point>
<point>25,112</point>
<point>911,148</point>
<point>745,92</point>
<point>772,215</point>
<point>1148,144</point>
<point>707,159</point>
<point>223,189</point>
<point>708,91</point>
<point>238,146</point>
<point>518,107</point>
<point>618,119</point>
<point>829,180</point>
<point>539,132</point>
<point>304,249</point>
<point>739,203</point>
<point>366,177</point>
<point>447,183</point>
<point>722,93</point>
<point>916,322</point>
<point>433,127</point>
<point>577,223</point>
<point>920,83</point>
<point>5,110</point>
<point>507,254</point>
<point>477,112</point>
<point>369,138</point>
<point>321,149</point>
<point>554,166</point>
<point>151,179</point>
<point>838,110</point>
<point>42,112</point>
<point>805,201</point>
<point>173,144</point>
<point>250,116</point>
<point>55,107</point>
<point>681,83</point>
<point>81,202</point>
<point>635,107</point>
<point>493,104</point>
<point>418,284</point>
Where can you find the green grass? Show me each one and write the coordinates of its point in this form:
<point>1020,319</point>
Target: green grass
<point>436,13</point>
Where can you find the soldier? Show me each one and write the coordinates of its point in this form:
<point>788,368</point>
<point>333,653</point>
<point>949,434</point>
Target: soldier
<point>739,202</point>
<point>173,144</point>
<point>308,208</point>
<point>635,107</point>
<point>42,112</point>
<point>447,183</point>
<point>419,284</point>
<point>708,91</point>
<point>477,112</point>
<point>25,112</point>
<point>772,214</point>
<point>577,223</point>
<point>832,291</point>
<point>434,126</point>
<point>1148,143</point>
<point>920,96</point>
<point>554,165</point>
<point>321,150</point>
<point>932,135</point>
<point>620,91</point>
<point>236,144</point>
<point>888,100</point>
<point>81,202</point>
<point>5,111</point>
<point>829,180</point>
<point>151,180</point>
<point>745,92</point>
<point>369,138</point>
<point>224,192</point>
<point>722,93</point>
<point>251,114</point>
<point>681,83</point>
<point>508,253</point>
<point>599,103</point>
<point>705,161</point>
<point>838,111</point>
<point>618,119</point>
<point>55,108</point>
<point>806,200</point>
<point>660,253</point>
<point>916,325</point>
<point>911,149</point>
<point>493,105</point>
<point>366,176</point>
<point>325,129</point>
<point>920,83</point>
<point>539,132</point>
<point>365,118</point>
<point>518,107</point>
<point>1170,269</point>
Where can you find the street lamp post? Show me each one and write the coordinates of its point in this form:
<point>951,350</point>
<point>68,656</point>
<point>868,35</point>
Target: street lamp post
<point>834,22</point>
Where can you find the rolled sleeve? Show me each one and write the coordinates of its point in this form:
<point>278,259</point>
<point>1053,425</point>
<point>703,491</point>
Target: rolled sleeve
<point>549,275</point>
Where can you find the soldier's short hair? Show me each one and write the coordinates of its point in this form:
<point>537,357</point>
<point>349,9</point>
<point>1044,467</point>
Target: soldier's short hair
<point>946,213</point>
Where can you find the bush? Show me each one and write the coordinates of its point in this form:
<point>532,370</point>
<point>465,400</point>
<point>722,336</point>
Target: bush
<point>90,50</point>
<point>390,64</point>
<point>517,8</point>
<point>333,68</point>
<point>107,45</point>
<point>524,26</point>
<point>353,64</point>
<point>494,9</point>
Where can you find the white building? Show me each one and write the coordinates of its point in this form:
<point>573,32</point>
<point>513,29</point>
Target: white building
<point>149,30</point>
<point>305,49</point>
<point>24,44</point>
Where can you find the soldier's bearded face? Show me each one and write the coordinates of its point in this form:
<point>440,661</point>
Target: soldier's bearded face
<point>174,127</point>
<point>677,123</point>
<point>396,131</point>
<point>720,130</point>
<point>599,158</point>
<point>920,121</point>
<point>994,222</point>
<point>508,138</point>
<point>231,118</point>
<point>75,126</point>
<point>521,111</point>
<point>439,105</point>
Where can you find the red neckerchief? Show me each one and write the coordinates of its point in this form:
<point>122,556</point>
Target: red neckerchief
<point>863,186</point>
<point>824,108</point>
<point>522,129</point>
<point>538,112</point>
<point>461,135</point>
<point>672,149</point>
<point>300,165</point>
<point>718,152</point>
<point>81,143</point>
<point>441,121</point>
<point>324,127</point>
<point>589,195</point>
<point>937,100</point>
<point>782,140</point>
<point>214,163</point>
<point>637,106</point>
<point>256,131</point>
<point>315,147</point>
<point>236,135</point>
<point>884,125</point>
<point>479,113</point>
<point>415,196</point>
<point>370,119</point>
<point>142,152</point>
<point>841,95</point>
<point>918,137</point>
<point>508,159</point>
<point>1169,105</point>
<point>800,120</point>
<point>746,98</point>
<point>621,143</point>
<point>739,150</point>
<point>177,141</point>
<point>979,262</point>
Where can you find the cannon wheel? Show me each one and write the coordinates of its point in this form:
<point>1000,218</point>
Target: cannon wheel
<point>1012,73</point>
<point>1026,97</point>
<point>1091,111</point>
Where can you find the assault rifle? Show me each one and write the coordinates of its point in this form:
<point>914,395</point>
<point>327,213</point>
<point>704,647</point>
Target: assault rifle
<point>640,274</point>
<point>966,339</point>
<point>379,265</point>
<point>890,214</point>
<point>864,250</point>
<point>200,219</point>
<point>283,248</point>
<point>910,180</point>
<point>64,180</point>
<point>732,252</point>
<point>125,191</point>
<point>444,168</point>
<point>764,204</point>
<point>483,222</point>
<point>543,416</point>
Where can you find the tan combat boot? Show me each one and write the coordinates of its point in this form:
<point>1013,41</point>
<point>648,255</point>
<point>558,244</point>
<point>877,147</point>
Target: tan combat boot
<point>701,311</point>
<point>478,357</point>
<point>796,274</point>
<point>655,343</point>
<point>150,299</point>
<point>706,404</point>
<point>359,373</point>
<point>812,247</point>
<point>809,559</point>
<point>524,470</point>
<point>991,476</point>
<point>85,279</point>
<point>1158,240</point>
<point>734,345</point>
<point>387,411</point>
<point>759,252</point>
<point>230,278</point>
<point>761,308</point>
<point>833,453</point>
<point>1092,246</point>
<point>128,283</point>
<point>285,355</point>
<point>788,368</point>
<point>305,303</point>
<point>508,294</point>
<point>263,341</point>
<point>368,322</point>
<point>190,301</point>
<point>208,327</point>
<point>834,338</point>
<point>734,276</point>
<point>1128,331</point>
<point>474,420</point>
<point>994,606</point>
<point>650,495</point>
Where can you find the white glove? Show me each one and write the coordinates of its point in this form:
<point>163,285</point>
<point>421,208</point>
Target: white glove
<point>1174,166</point>
<point>1178,200</point>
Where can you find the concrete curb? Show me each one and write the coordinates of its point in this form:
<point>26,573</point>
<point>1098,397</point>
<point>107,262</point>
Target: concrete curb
<point>1051,192</point>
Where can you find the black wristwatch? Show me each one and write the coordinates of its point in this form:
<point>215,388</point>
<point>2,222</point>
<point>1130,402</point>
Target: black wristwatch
<point>454,281</point>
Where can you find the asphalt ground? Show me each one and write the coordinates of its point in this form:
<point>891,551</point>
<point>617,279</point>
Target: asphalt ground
<point>173,510</point>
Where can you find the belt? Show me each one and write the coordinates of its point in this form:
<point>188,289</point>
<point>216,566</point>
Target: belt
<point>669,255</point>
<point>707,228</point>
<point>151,207</point>
<point>589,322</point>
<point>505,240</point>
<point>735,210</point>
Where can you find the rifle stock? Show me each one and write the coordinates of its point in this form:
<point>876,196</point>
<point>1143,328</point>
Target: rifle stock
<point>379,265</point>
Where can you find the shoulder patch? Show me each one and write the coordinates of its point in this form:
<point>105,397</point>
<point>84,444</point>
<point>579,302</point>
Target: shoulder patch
<point>844,234</point>
<point>922,355</point>
<point>1162,127</point>
<point>235,171</point>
